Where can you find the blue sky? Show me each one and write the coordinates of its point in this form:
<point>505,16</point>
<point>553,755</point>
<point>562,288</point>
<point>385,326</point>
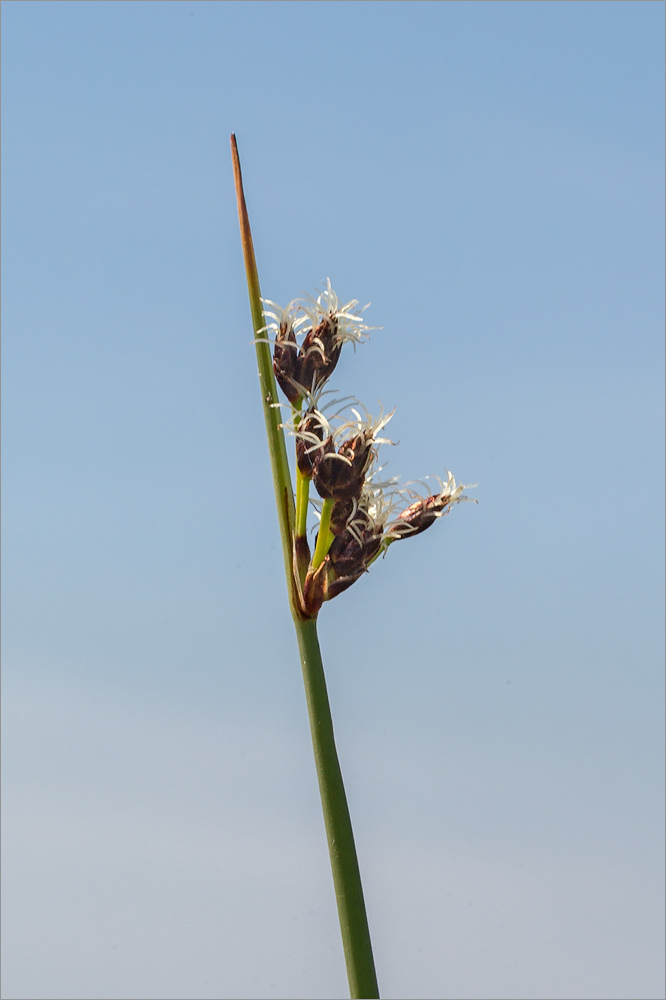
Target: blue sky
<point>490,177</point>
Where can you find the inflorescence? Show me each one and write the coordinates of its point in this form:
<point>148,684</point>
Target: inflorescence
<point>360,515</point>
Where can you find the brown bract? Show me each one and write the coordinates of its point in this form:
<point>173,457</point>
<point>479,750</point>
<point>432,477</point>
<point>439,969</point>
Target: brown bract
<point>286,362</point>
<point>320,353</point>
<point>310,431</point>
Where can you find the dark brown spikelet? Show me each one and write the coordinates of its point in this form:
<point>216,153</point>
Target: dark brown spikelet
<point>420,515</point>
<point>342,511</point>
<point>320,353</point>
<point>307,451</point>
<point>350,558</point>
<point>287,362</point>
<point>340,475</point>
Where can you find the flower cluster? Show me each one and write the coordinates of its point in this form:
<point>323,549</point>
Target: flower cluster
<point>359,515</point>
<point>302,368</point>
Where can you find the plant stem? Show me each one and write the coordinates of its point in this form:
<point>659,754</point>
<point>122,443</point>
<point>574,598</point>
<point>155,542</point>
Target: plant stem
<point>325,536</point>
<point>302,494</point>
<point>346,875</point>
<point>344,863</point>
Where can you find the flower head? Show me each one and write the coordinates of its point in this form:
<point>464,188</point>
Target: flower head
<point>339,472</point>
<point>349,325</point>
<point>424,511</point>
<point>361,515</point>
<point>303,368</point>
<point>311,426</point>
<point>284,325</point>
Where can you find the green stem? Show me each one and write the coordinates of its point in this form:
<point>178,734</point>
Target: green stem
<point>346,876</point>
<point>344,863</point>
<point>325,536</point>
<point>302,482</point>
<point>302,495</point>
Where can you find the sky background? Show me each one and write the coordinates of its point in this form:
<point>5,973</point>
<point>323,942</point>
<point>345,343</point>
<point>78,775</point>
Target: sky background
<point>490,177</point>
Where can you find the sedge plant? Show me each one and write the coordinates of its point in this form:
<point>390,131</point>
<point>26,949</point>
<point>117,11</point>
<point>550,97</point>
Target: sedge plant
<point>360,515</point>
